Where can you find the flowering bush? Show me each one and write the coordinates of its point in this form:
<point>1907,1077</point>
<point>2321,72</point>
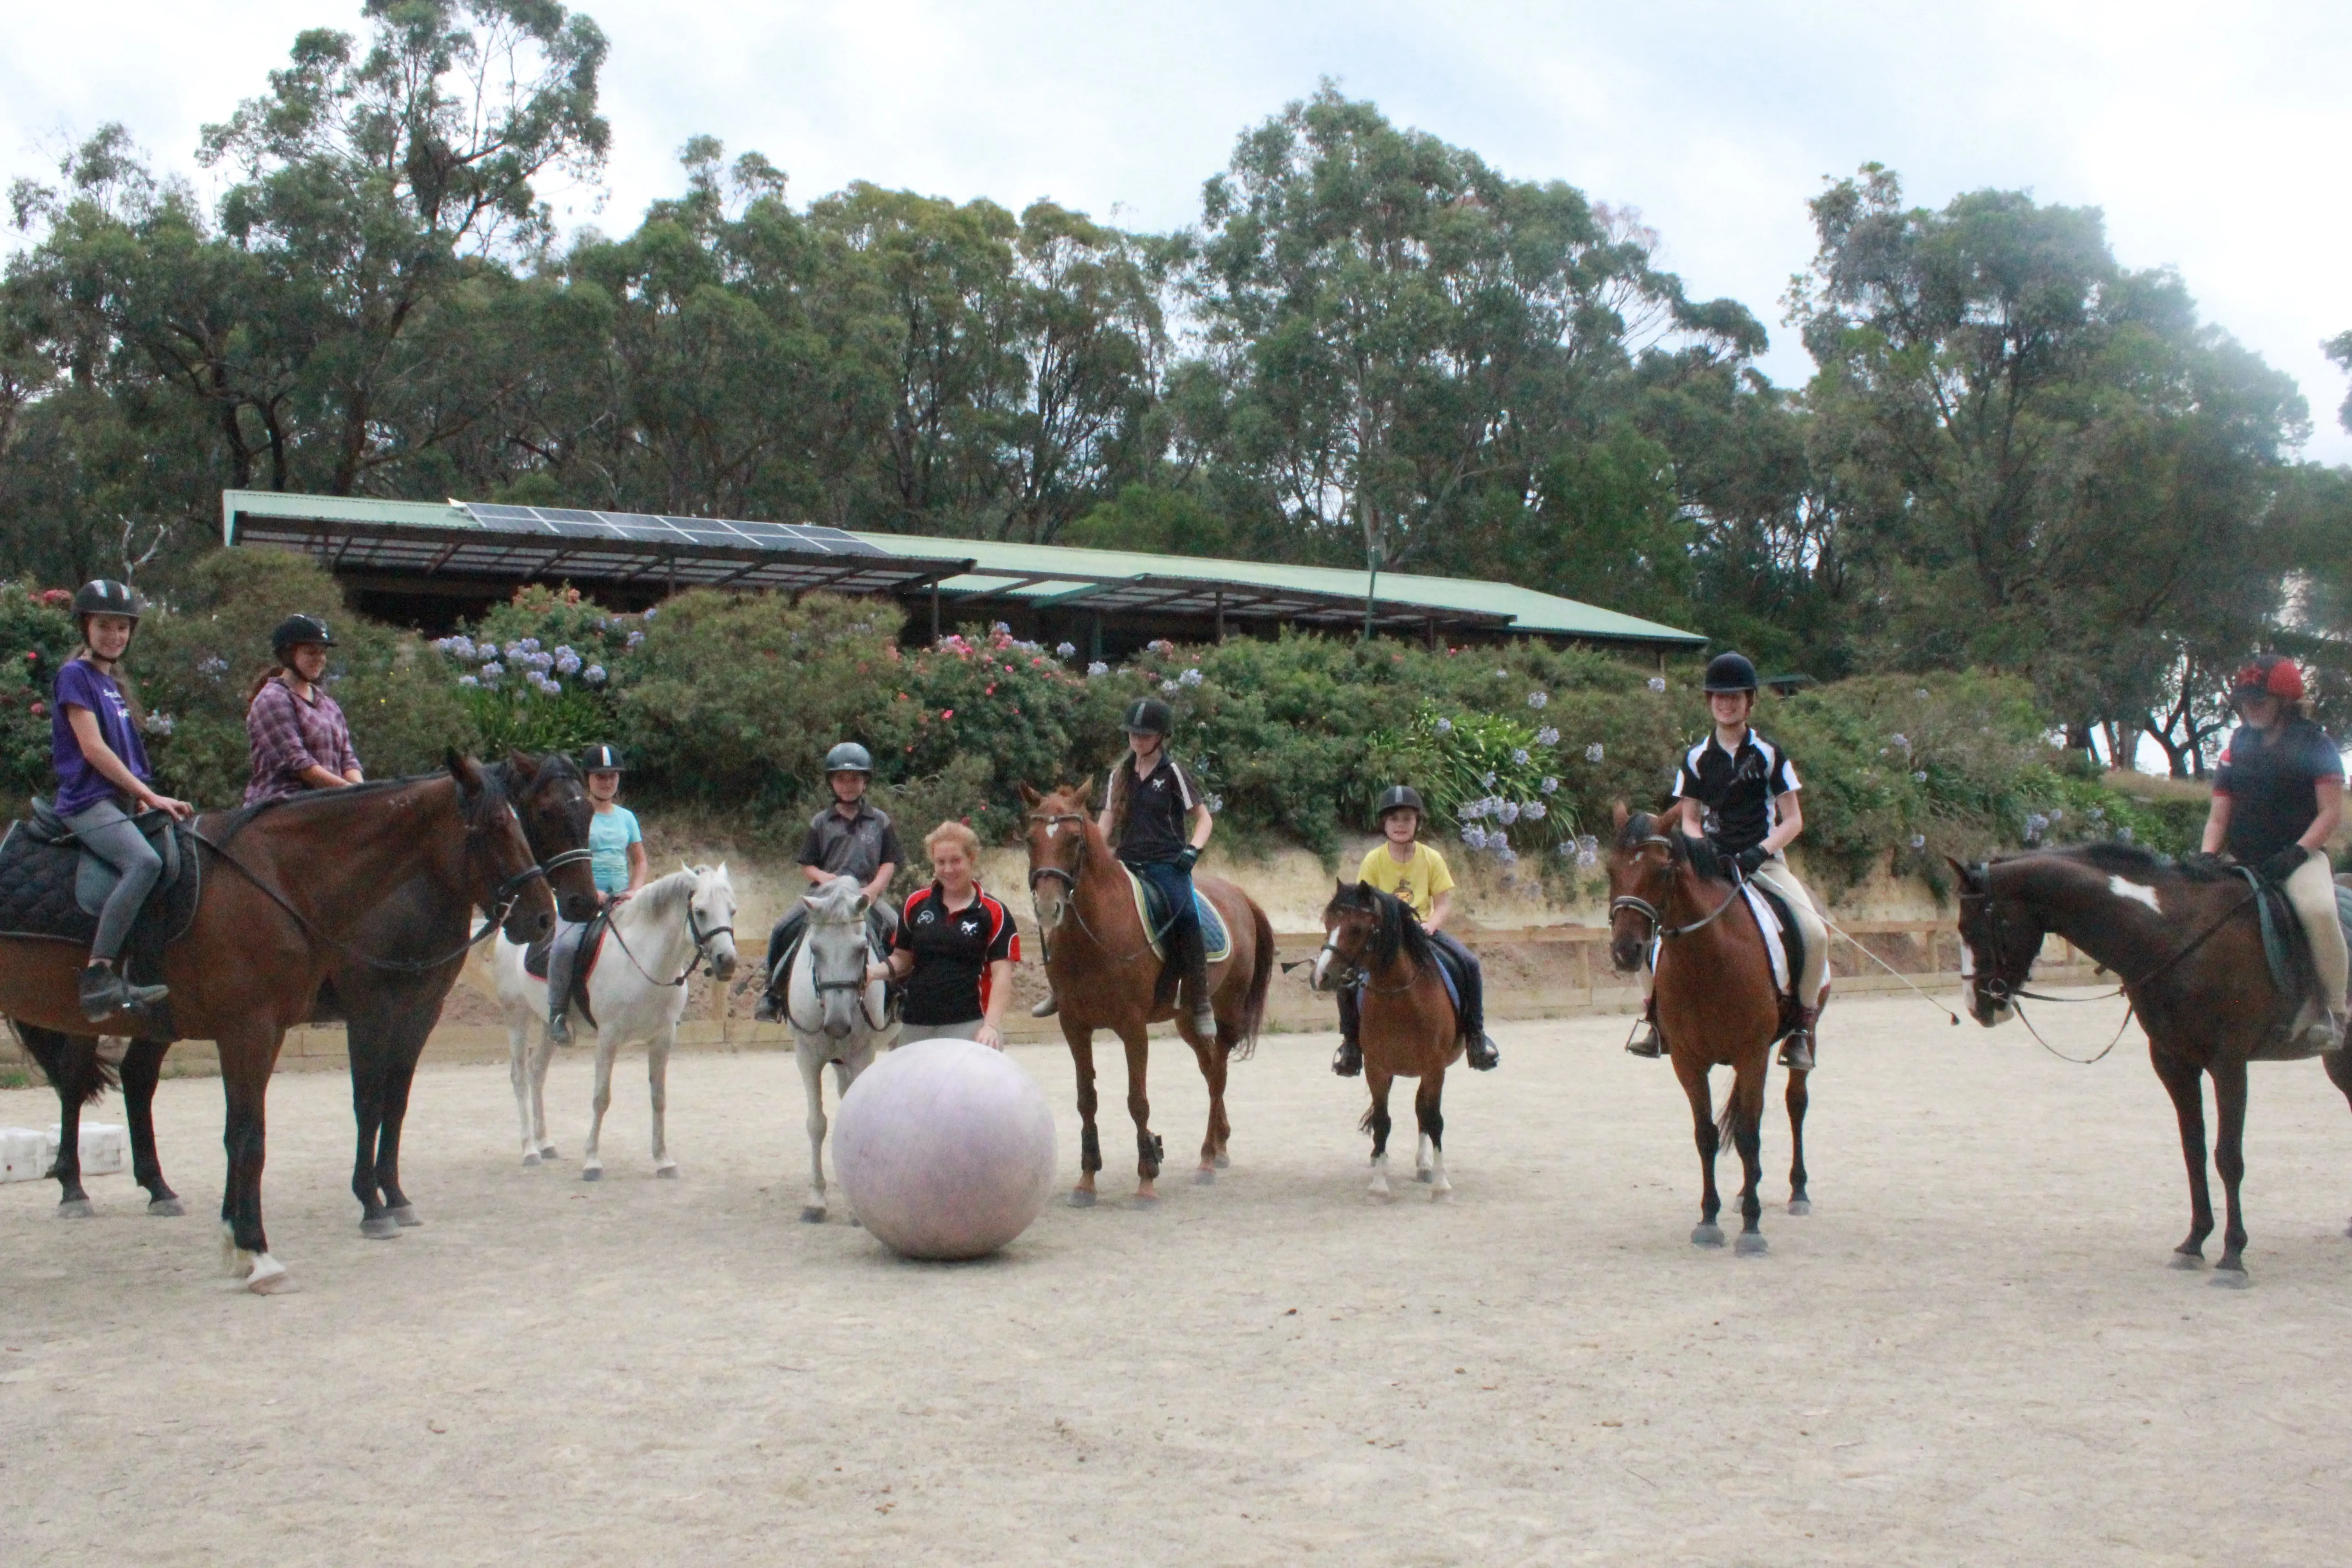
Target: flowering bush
<point>37,634</point>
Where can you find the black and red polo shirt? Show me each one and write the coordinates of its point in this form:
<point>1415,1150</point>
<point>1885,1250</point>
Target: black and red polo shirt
<point>952,949</point>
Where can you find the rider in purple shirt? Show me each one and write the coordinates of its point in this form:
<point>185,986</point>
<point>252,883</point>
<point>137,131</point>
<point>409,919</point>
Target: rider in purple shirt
<point>103,770</point>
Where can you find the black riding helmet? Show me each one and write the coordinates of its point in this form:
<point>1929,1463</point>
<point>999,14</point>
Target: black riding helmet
<point>295,631</point>
<point>1400,797</point>
<point>1730,672</point>
<point>848,757</point>
<point>1149,716</point>
<point>105,596</point>
<point>600,759</point>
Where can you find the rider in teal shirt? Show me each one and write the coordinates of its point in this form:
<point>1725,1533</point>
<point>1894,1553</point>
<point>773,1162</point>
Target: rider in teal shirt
<point>617,860</point>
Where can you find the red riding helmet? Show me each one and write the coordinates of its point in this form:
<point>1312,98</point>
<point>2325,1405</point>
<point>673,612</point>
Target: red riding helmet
<point>2268,676</point>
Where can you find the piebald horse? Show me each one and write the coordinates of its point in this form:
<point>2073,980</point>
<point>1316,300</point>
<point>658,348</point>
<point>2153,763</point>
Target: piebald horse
<point>1105,976</point>
<point>2186,942</point>
<point>286,890</point>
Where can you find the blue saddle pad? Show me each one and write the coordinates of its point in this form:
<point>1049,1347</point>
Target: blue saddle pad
<point>1214,937</point>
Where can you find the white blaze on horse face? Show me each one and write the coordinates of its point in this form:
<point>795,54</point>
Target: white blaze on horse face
<point>2138,892</point>
<point>1968,959</point>
<point>1323,963</point>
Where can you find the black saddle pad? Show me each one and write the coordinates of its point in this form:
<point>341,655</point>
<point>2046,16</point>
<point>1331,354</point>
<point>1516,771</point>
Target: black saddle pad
<point>38,899</point>
<point>591,944</point>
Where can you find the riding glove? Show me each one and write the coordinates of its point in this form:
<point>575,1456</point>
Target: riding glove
<point>2284,864</point>
<point>1751,860</point>
<point>1186,858</point>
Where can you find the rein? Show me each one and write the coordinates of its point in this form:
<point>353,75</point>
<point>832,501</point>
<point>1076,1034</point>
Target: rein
<point>1069,879</point>
<point>499,905</point>
<point>2001,991</point>
<point>702,940</point>
<point>1657,916</point>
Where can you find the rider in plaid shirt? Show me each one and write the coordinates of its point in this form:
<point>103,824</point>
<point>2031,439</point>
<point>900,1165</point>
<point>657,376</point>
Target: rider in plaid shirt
<point>300,742</point>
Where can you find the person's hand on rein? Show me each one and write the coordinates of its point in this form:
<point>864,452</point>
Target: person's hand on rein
<point>177,810</point>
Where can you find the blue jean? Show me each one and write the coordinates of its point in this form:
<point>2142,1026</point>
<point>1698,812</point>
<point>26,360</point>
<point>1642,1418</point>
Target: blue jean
<point>106,831</point>
<point>1174,885</point>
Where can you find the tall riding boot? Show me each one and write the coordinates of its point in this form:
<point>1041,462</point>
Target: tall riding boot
<point>1194,996</point>
<point>1047,1004</point>
<point>1479,1047</point>
<point>782,940</point>
<point>1796,1049</point>
<point>1348,1060</point>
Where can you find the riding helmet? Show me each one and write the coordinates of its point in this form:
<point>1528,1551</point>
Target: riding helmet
<point>1149,716</point>
<point>105,596</point>
<point>1400,797</point>
<point>600,758</point>
<point>2268,676</point>
<point>850,757</point>
<point>1730,672</point>
<point>295,631</point>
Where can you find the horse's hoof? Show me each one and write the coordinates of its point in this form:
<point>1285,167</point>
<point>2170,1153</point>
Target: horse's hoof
<point>667,1173</point>
<point>1378,1194</point>
<point>2231,1280</point>
<point>1144,1201</point>
<point>1707,1234</point>
<point>1800,1205</point>
<point>592,1173</point>
<point>269,1279</point>
<point>1083,1198</point>
<point>380,1227</point>
<point>75,1208</point>
<point>1224,1160</point>
<point>529,1158</point>
<point>1750,1245</point>
<point>550,1155</point>
<point>1441,1194</point>
<point>812,1213</point>
<point>1206,1176</point>
<point>856,1223</point>
<point>167,1208</point>
<point>406,1216</point>
<point>2187,1261</point>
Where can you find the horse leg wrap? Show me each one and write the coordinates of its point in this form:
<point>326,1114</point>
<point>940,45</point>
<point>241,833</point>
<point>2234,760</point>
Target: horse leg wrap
<point>1089,1150</point>
<point>1148,1148</point>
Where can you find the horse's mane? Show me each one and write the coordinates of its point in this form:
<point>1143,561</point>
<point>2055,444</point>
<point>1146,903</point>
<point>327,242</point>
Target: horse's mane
<point>837,901</point>
<point>2133,861</point>
<point>1395,928</point>
<point>1700,852</point>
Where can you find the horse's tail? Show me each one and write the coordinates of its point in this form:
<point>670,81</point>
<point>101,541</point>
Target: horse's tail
<point>1261,981</point>
<point>1723,1123</point>
<point>54,1053</point>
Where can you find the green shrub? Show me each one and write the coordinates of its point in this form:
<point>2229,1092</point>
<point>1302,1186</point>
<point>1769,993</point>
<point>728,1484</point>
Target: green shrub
<point>37,634</point>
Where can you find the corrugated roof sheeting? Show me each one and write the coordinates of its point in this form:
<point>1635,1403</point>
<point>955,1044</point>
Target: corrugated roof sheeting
<point>461,540</point>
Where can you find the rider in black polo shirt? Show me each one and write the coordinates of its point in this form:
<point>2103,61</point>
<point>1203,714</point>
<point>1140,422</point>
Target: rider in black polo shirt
<point>848,838</point>
<point>1738,791</point>
<point>1158,824</point>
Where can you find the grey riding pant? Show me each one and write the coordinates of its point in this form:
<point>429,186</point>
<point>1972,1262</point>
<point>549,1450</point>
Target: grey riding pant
<point>106,831</point>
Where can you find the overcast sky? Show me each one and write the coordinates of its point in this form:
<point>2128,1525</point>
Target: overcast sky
<point>2213,135</point>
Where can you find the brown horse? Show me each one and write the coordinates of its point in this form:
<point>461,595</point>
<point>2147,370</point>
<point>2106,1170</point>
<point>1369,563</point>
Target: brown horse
<point>2186,941</point>
<point>1718,1005</point>
<point>286,888</point>
<point>1408,1027</point>
<point>1105,976</point>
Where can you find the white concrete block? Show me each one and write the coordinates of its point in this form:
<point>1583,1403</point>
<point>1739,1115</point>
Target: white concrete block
<point>23,1155</point>
<point>105,1148</point>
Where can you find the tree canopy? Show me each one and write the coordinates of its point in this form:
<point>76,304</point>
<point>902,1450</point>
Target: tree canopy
<point>1372,348</point>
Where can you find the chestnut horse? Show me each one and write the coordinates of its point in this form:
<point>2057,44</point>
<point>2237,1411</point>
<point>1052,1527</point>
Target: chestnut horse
<point>2186,942</point>
<point>1718,1005</point>
<point>1105,976</point>
<point>286,887</point>
<point>1408,1026</point>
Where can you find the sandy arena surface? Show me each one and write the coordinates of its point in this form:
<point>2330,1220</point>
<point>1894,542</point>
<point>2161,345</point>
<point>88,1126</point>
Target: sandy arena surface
<point>1971,1351</point>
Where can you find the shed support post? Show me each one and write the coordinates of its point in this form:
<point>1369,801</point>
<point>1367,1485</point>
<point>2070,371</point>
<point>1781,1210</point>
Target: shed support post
<point>935,609</point>
<point>1221,614</point>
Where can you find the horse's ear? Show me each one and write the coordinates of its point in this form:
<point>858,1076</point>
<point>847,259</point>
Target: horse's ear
<point>1619,815</point>
<point>1340,885</point>
<point>522,765</point>
<point>465,771</point>
<point>808,898</point>
<point>863,903</point>
<point>1967,874</point>
<point>1029,797</point>
<point>1083,792</point>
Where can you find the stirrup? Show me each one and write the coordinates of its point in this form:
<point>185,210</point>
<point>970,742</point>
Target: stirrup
<point>1648,1043</point>
<point>1047,1006</point>
<point>1347,1061</point>
<point>103,992</point>
<point>559,1027</point>
<point>1797,1050</point>
<point>768,1009</point>
<point>1480,1050</point>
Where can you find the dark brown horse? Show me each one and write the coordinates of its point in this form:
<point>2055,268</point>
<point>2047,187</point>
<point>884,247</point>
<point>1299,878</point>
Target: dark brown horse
<point>1407,1026</point>
<point>2186,941</point>
<point>1107,977</point>
<point>286,889</point>
<point>1718,1005</point>
<point>390,1007</point>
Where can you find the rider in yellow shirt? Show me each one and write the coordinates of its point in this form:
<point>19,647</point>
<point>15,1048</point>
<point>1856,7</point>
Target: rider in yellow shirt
<point>1417,874</point>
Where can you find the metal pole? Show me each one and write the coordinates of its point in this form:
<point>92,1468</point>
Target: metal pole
<point>935,609</point>
<point>1221,614</point>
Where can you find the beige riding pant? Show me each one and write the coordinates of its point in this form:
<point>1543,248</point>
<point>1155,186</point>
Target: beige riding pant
<point>2312,891</point>
<point>1814,977</point>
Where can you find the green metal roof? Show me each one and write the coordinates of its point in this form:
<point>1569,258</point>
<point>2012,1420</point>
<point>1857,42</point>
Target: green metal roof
<point>471,540</point>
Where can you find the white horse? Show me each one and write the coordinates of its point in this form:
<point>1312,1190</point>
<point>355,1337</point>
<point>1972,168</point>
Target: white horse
<point>637,991</point>
<point>835,1013</point>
